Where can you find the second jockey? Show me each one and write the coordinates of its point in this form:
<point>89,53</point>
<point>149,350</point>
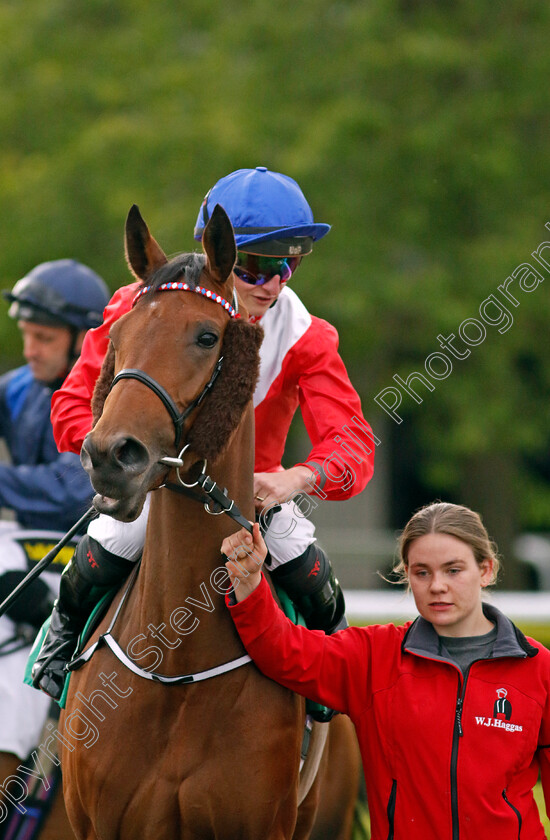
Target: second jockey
<point>42,491</point>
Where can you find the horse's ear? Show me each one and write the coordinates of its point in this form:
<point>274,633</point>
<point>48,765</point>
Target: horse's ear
<point>143,253</point>
<point>218,242</point>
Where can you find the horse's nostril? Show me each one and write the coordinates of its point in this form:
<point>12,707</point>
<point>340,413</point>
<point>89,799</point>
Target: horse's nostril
<point>89,454</point>
<point>130,454</point>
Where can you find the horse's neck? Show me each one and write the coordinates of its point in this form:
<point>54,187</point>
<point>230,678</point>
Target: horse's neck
<point>183,576</point>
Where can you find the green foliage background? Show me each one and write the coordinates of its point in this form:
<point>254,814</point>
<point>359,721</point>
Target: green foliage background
<point>417,128</point>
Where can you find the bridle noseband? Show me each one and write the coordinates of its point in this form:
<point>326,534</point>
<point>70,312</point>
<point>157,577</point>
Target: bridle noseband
<point>178,418</point>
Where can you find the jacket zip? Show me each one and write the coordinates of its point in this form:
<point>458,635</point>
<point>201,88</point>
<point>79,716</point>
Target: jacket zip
<point>390,810</point>
<point>515,810</point>
<point>457,734</point>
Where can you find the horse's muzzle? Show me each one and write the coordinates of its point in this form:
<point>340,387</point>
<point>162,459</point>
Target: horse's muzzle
<point>115,465</point>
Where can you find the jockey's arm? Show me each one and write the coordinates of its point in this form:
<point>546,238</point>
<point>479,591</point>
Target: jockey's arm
<point>71,413</point>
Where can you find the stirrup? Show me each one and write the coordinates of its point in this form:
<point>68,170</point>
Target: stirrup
<point>38,672</point>
<point>49,681</point>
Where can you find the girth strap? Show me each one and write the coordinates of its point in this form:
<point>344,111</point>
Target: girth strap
<point>80,659</point>
<point>177,680</point>
<point>182,679</point>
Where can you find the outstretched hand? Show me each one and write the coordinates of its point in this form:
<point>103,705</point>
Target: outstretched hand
<point>245,554</point>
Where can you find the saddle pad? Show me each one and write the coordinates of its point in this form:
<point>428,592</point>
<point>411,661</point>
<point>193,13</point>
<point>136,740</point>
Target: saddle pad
<point>287,606</point>
<point>97,612</point>
<point>35,650</point>
<point>289,609</point>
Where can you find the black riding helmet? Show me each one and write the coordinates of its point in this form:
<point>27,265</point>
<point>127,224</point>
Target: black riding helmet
<point>61,293</point>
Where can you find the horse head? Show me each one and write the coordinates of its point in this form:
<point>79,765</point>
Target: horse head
<point>181,368</point>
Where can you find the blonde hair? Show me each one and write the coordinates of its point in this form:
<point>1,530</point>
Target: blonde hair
<point>445,518</point>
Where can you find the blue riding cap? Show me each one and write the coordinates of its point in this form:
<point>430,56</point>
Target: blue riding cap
<point>263,206</point>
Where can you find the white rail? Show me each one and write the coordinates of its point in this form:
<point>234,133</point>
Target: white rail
<point>379,606</point>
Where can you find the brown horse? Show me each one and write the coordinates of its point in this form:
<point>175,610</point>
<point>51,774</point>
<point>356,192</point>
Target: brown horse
<point>200,758</point>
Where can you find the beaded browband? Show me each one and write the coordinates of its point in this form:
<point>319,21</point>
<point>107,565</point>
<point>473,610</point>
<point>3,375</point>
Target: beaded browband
<point>185,287</point>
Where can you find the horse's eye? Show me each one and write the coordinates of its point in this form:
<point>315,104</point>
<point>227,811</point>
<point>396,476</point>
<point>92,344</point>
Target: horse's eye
<point>207,339</point>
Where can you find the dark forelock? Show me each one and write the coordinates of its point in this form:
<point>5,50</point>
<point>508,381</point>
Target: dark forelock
<point>187,267</point>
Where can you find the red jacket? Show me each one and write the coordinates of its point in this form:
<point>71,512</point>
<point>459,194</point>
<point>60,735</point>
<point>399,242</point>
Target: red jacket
<point>445,757</point>
<point>300,365</point>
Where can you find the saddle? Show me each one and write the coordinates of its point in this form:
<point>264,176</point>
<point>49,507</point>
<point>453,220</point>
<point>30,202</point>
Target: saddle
<point>315,710</point>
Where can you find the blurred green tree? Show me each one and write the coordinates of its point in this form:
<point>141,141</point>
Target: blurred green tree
<point>417,129</point>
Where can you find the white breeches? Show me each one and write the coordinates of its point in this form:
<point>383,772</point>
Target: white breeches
<point>23,710</point>
<point>288,536</point>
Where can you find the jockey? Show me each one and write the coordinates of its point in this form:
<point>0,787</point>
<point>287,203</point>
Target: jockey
<point>300,366</point>
<point>44,491</point>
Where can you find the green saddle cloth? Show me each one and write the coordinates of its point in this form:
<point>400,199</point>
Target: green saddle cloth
<point>289,609</point>
<point>287,606</point>
<point>97,612</point>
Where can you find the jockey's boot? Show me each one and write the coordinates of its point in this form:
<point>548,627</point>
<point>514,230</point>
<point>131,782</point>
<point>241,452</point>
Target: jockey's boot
<point>310,583</point>
<point>91,573</point>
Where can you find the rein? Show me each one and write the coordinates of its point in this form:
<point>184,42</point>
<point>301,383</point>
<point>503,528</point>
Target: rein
<point>222,502</point>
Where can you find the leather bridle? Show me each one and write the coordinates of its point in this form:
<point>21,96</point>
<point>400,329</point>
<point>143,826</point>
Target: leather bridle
<point>178,418</point>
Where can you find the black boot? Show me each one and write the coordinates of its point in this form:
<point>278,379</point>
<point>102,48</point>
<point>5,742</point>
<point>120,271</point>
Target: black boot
<point>90,574</point>
<point>310,583</point>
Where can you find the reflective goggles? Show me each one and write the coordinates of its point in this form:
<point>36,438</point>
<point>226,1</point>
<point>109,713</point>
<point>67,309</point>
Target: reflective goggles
<point>256,270</point>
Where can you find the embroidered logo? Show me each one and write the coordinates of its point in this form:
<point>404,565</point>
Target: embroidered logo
<point>502,705</point>
<point>502,712</point>
<point>315,569</point>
